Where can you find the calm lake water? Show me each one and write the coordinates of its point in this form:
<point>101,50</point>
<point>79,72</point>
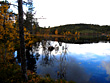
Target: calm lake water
<point>82,63</point>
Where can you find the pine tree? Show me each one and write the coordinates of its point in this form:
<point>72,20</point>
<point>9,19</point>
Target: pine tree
<point>29,16</point>
<point>22,45</point>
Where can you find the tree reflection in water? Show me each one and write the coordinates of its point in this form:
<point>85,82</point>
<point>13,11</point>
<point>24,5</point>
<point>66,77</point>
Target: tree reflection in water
<point>31,60</point>
<point>58,64</point>
<point>46,53</point>
<point>50,58</point>
<point>62,67</point>
<point>30,57</point>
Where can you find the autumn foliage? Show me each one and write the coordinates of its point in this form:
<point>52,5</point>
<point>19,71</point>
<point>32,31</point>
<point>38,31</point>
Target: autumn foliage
<point>9,42</point>
<point>9,34</point>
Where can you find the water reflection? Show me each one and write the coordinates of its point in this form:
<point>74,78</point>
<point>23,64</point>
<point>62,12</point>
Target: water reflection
<point>46,53</point>
<point>106,65</point>
<point>31,60</point>
<point>76,72</point>
<point>56,62</point>
<point>82,63</point>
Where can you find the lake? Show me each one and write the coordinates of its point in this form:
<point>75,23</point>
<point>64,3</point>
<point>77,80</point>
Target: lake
<point>81,63</point>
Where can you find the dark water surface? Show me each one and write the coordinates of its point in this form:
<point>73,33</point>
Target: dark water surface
<point>82,63</point>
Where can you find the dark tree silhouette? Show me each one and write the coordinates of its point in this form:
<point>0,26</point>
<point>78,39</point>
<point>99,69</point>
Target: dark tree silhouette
<point>22,46</point>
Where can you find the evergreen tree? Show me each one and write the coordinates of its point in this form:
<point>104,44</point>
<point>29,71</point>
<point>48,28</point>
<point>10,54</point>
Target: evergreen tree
<point>28,22</point>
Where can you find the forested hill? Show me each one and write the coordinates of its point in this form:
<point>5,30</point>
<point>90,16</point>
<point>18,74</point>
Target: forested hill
<point>73,28</point>
<point>84,28</point>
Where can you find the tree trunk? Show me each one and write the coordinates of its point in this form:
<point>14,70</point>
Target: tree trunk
<point>22,46</point>
<point>4,38</point>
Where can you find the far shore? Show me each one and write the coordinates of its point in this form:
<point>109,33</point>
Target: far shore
<point>46,35</point>
<point>59,36</point>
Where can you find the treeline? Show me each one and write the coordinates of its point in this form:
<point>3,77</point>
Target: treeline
<point>75,29</point>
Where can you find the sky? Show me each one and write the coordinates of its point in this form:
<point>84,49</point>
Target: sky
<point>62,12</point>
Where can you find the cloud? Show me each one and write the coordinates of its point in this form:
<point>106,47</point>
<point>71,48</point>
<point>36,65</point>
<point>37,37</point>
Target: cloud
<point>100,49</point>
<point>106,65</point>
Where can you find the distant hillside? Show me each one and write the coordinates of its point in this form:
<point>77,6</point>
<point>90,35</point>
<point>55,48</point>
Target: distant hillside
<point>88,28</point>
<point>72,28</point>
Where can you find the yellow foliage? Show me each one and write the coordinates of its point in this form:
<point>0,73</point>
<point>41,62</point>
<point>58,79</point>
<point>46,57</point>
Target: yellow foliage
<point>75,38</point>
<point>1,37</point>
<point>76,33</point>
<point>10,34</point>
<point>56,39</point>
<point>56,32</point>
